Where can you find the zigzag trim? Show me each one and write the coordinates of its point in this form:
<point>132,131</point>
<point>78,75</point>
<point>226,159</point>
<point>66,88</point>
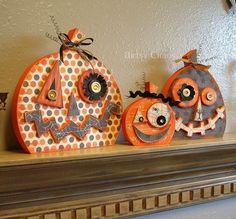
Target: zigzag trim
<point>79,131</point>
<point>147,94</point>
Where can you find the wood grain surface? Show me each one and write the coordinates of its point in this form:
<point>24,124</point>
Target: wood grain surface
<point>116,182</point>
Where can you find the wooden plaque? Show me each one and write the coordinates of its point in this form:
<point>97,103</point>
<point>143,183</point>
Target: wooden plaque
<point>61,106</point>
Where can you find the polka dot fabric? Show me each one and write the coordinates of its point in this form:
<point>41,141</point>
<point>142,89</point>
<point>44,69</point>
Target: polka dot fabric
<point>30,86</point>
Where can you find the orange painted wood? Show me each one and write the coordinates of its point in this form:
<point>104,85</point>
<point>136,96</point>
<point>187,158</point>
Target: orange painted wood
<point>31,98</point>
<point>151,87</point>
<point>54,76</point>
<point>130,125</point>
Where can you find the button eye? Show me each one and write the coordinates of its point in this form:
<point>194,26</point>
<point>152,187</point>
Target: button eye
<point>95,87</point>
<point>52,95</point>
<point>92,87</point>
<point>158,115</point>
<point>161,120</point>
<point>186,91</point>
<point>139,117</point>
<point>209,96</point>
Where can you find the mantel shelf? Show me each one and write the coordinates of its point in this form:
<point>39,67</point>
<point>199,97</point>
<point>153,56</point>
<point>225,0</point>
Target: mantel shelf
<point>9,158</point>
<point>116,181</point>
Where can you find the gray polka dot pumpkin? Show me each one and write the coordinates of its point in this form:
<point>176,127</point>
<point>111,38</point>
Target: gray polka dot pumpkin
<point>66,104</point>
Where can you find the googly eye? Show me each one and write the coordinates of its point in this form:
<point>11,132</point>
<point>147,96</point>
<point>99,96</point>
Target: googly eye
<point>139,117</point>
<point>158,115</point>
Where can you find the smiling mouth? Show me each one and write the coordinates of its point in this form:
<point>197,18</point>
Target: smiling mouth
<point>208,124</point>
<point>149,138</point>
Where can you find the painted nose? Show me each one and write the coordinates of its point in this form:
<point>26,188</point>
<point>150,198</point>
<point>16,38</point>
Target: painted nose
<point>198,112</point>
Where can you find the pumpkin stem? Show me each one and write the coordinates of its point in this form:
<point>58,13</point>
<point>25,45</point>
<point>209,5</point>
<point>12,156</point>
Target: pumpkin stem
<point>150,87</point>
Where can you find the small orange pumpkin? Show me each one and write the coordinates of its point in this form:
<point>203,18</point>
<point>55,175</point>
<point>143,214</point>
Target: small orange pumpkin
<point>149,121</point>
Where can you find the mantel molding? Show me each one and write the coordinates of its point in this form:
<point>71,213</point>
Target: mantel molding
<point>116,182</point>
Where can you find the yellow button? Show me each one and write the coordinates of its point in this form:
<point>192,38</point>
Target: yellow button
<point>186,92</point>
<point>96,87</point>
<point>210,96</point>
<point>52,95</point>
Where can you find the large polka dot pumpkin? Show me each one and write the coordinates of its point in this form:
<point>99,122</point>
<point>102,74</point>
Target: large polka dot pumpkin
<point>67,105</point>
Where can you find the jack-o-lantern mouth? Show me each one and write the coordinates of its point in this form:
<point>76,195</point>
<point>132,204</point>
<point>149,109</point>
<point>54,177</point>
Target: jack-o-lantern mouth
<point>209,123</point>
<point>59,132</point>
<point>149,138</point>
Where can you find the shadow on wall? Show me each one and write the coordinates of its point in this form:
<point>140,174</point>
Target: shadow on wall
<point>231,96</point>
<point>231,72</point>
<point>23,52</point>
<point>156,71</point>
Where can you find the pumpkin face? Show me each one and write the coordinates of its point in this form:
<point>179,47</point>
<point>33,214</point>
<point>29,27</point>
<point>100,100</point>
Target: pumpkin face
<point>148,121</point>
<point>66,105</point>
<point>201,111</point>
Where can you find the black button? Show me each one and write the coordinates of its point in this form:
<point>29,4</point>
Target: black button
<point>161,120</point>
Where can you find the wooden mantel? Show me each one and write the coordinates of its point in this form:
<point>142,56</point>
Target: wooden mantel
<point>118,181</point>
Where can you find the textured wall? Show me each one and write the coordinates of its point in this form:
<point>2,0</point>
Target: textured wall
<point>131,37</point>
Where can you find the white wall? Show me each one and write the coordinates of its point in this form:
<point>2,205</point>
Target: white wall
<point>131,37</point>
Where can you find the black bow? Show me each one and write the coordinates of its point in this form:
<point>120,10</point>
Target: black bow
<point>68,44</point>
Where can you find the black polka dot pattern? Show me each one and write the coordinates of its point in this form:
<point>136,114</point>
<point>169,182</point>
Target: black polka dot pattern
<point>26,99</point>
<point>49,112</point>
<point>80,63</point>
<point>26,128</point>
<point>71,139</point>
<point>50,141</point>
<point>60,119</point>
<point>69,70</point>
<point>25,84</point>
<point>69,56</point>
<point>38,149</point>
<point>36,77</point>
<point>48,69</point>
<point>70,84</point>
<point>36,91</point>
<point>110,136</point>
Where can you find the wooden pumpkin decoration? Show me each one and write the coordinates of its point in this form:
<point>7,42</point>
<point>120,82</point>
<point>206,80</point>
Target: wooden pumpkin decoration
<point>149,120</point>
<point>67,100</point>
<point>201,111</point>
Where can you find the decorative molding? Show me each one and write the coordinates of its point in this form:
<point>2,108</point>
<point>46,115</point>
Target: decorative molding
<point>117,184</point>
<point>137,205</point>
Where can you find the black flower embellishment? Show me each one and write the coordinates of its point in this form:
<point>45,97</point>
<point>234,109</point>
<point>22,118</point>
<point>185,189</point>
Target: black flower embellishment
<point>95,87</point>
<point>186,92</point>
